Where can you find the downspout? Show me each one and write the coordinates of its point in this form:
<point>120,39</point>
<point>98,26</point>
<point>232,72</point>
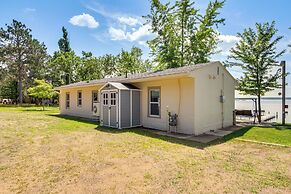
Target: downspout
<point>179,102</point>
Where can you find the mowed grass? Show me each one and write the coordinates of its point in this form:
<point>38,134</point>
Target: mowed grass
<point>274,135</point>
<point>41,152</point>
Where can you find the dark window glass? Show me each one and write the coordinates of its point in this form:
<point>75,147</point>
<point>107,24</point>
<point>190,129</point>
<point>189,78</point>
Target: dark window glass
<point>113,98</point>
<point>67,96</point>
<point>155,110</point>
<point>95,97</point>
<point>105,99</point>
<point>154,102</point>
<point>68,100</point>
<point>155,95</point>
<point>79,102</point>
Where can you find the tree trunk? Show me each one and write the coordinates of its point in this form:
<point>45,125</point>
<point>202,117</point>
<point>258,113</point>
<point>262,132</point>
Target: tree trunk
<point>42,103</point>
<point>182,33</point>
<point>20,91</point>
<point>259,109</point>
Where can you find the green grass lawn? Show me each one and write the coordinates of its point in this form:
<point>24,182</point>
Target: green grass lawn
<point>41,152</point>
<point>269,135</point>
<point>274,135</point>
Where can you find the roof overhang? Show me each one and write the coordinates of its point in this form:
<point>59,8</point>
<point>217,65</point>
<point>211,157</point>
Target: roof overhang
<point>137,80</point>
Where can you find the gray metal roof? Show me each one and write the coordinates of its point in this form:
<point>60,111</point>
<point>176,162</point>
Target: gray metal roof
<point>137,76</point>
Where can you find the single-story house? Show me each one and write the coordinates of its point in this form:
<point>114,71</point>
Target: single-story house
<point>202,96</point>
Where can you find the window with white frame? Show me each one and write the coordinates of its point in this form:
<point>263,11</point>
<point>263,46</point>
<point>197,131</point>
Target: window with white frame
<point>105,98</point>
<point>67,100</point>
<point>79,100</point>
<point>94,96</point>
<point>154,102</point>
<point>113,98</point>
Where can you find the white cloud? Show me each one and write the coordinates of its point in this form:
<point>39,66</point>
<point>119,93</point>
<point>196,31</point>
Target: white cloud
<point>122,34</point>
<point>122,26</point>
<point>226,43</point>
<point>29,9</point>
<point>142,43</point>
<point>228,38</point>
<point>141,32</point>
<point>117,34</point>
<point>128,20</point>
<point>99,9</point>
<point>84,20</point>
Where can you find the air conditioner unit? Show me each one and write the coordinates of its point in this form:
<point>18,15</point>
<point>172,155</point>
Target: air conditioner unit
<point>96,109</point>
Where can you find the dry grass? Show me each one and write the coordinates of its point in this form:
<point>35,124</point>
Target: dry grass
<point>41,153</point>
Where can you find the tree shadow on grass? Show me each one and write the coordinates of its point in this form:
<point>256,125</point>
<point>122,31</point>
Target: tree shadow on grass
<point>149,133</point>
<point>237,133</point>
<point>72,118</point>
<point>36,110</point>
<point>186,142</point>
<point>280,126</point>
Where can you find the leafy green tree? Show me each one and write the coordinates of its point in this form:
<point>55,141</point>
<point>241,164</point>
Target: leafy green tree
<point>256,54</point>
<point>42,91</point>
<point>130,62</point>
<point>64,43</point>
<point>90,67</point>
<point>8,85</point>
<point>63,68</point>
<point>108,65</point>
<point>38,62</point>
<point>183,34</point>
<point>23,56</point>
<point>64,64</point>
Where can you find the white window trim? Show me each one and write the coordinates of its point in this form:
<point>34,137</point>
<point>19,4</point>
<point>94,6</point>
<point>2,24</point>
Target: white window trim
<point>78,98</point>
<point>67,100</point>
<point>149,102</point>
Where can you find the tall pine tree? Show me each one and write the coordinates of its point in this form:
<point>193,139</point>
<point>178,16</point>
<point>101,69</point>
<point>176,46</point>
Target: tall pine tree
<point>64,43</point>
<point>17,52</point>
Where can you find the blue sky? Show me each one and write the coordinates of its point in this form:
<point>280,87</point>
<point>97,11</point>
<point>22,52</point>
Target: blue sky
<point>103,26</point>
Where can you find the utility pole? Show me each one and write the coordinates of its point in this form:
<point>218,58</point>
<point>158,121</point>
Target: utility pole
<point>283,64</point>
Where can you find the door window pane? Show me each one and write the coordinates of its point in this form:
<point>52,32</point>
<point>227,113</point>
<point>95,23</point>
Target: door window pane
<point>113,98</point>
<point>105,98</point>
